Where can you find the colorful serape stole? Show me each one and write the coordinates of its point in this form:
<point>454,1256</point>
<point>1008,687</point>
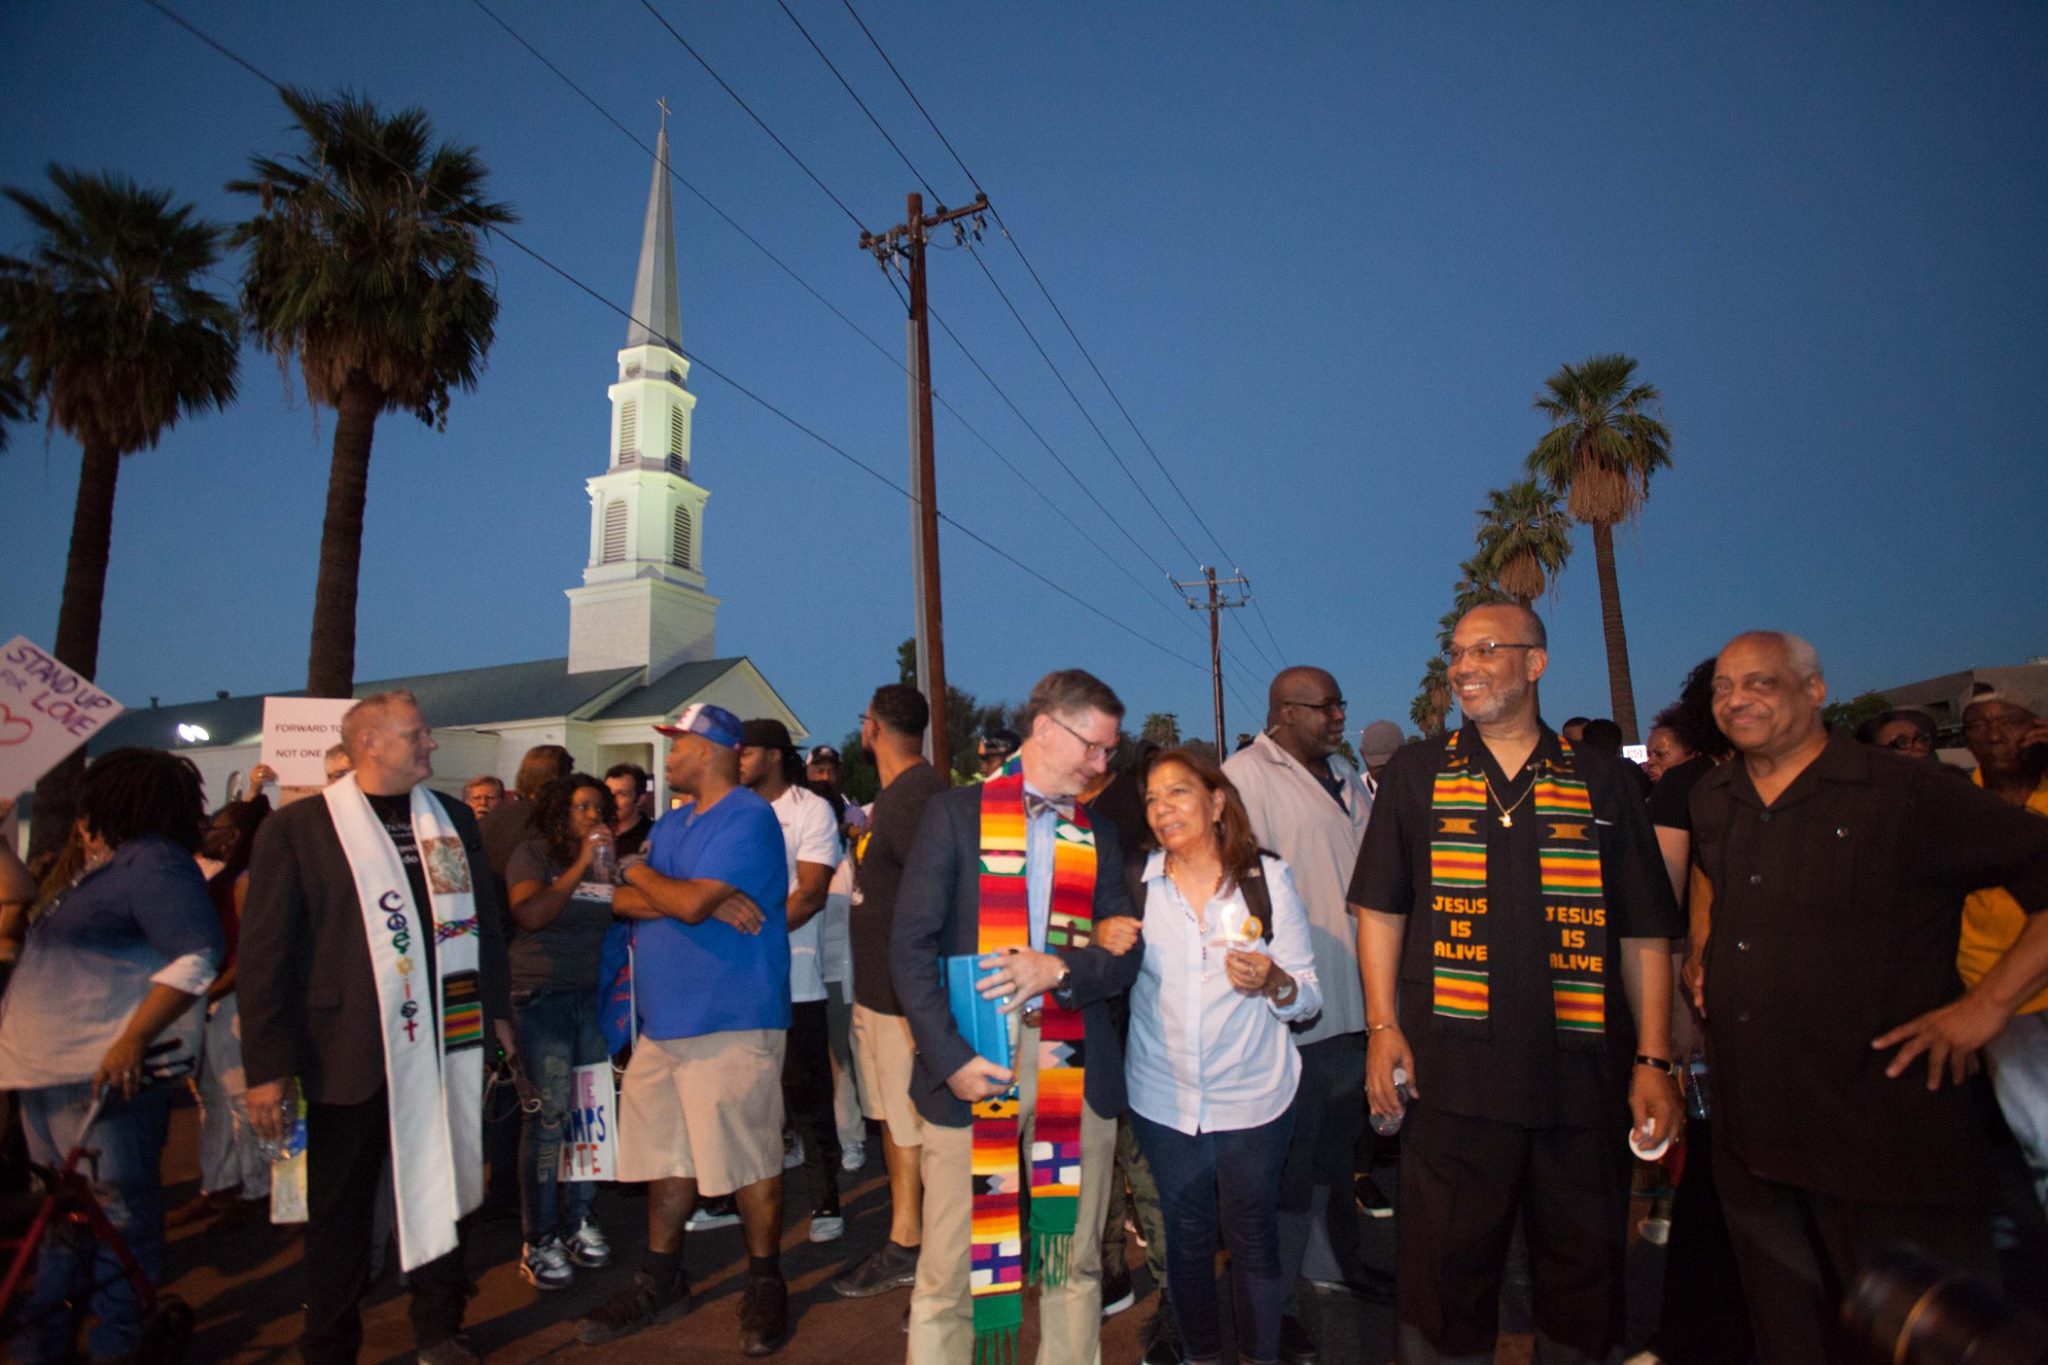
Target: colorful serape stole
<point>1573,906</point>
<point>997,1270</point>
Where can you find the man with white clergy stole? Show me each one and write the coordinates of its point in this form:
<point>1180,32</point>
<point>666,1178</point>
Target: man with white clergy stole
<point>1016,873</point>
<point>372,973</point>
<point>1510,895</point>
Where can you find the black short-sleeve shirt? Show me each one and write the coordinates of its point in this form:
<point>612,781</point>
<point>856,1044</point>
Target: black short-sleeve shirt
<point>892,826</point>
<point>1518,1073</point>
<point>1671,798</point>
<point>1835,917</point>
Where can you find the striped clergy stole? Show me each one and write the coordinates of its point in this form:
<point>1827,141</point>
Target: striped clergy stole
<point>1457,874</point>
<point>1573,903</point>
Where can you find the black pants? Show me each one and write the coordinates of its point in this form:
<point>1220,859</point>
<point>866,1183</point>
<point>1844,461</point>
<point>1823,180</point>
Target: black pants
<point>1463,1183</point>
<point>346,1148</point>
<point>1329,1114</point>
<point>1800,1252</point>
<point>1696,1325</point>
<point>807,1097</point>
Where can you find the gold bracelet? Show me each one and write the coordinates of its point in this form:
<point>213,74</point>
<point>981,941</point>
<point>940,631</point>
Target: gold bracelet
<point>1371,1029</point>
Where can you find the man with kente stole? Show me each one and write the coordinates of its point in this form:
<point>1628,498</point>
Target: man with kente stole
<point>1017,872</point>
<point>1514,938</point>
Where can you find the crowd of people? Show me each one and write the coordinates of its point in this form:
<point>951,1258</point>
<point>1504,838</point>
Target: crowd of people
<point>1209,1001</point>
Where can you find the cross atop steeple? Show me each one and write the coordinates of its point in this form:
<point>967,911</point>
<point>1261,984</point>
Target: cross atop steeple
<point>663,103</point>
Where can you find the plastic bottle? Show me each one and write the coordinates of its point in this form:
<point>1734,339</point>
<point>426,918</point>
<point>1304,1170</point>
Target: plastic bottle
<point>603,861</point>
<point>1388,1126</point>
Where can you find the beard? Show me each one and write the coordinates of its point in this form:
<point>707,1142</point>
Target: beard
<point>1498,703</point>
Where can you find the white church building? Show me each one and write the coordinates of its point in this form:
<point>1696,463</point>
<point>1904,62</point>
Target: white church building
<point>643,631</point>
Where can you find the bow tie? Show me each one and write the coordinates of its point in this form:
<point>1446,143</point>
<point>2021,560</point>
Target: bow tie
<point>1036,805</point>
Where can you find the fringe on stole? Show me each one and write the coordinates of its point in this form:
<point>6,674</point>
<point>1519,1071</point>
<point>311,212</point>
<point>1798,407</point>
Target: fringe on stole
<point>998,1328</point>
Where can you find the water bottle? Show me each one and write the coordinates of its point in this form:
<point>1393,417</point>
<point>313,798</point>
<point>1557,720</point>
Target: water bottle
<point>604,863</point>
<point>1387,1126</point>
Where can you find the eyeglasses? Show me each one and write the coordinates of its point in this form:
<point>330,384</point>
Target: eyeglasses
<point>1328,708</point>
<point>1909,742</point>
<point>1089,747</point>
<point>2003,725</point>
<point>1482,651</point>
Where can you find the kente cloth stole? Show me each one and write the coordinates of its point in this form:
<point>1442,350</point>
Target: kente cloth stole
<point>997,1269</point>
<point>433,1028</point>
<point>1573,908</point>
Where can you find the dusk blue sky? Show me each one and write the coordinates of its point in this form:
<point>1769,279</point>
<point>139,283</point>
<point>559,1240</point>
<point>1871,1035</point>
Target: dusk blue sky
<point>1327,253</point>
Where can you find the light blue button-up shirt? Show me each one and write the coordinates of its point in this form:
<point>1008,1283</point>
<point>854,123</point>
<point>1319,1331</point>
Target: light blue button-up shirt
<point>1040,834</point>
<point>1203,1056</point>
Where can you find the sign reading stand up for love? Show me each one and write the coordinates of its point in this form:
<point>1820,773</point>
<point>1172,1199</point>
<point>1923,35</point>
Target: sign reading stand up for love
<point>46,711</point>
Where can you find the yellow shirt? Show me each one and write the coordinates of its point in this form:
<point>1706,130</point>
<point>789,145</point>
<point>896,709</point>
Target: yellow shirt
<point>1992,919</point>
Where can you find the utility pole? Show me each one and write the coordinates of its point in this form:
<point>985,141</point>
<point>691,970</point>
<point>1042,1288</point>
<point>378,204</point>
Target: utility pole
<point>1215,605</point>
<point>907,240</point>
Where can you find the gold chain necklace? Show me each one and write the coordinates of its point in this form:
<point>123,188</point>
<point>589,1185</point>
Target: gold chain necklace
<point>1507,812</point>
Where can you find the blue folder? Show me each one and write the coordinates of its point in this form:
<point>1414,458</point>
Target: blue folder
<point>981,1021</point>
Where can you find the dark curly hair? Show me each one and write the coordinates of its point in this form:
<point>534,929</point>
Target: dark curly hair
<point>551,814</point>
<point>1691,717</point>
<point>129,793</point>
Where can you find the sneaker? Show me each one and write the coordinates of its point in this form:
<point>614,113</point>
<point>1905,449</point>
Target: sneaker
<point>792,1153</point>
<point>853,1156</point>
<point>1116,1290</point>
<point>544,1264</point>
<point>764,1316</point>
<point>1372,1201</point>
<point>892,1267</point>
<point>827,1223</point>
<point>588,1248</point>
<point>714,1213</point>
<point>454,1350</point>
<point>641,1304</point>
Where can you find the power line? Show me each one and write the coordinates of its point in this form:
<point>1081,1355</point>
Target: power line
<point>700,362</point>
<point>1058,312</point>
<point>846,85</point>
<point>759,122</point>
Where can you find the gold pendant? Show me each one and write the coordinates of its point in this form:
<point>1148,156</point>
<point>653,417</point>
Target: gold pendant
<point>1506,821</point>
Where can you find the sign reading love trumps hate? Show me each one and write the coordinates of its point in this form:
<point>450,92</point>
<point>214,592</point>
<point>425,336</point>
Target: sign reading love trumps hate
<point>46,711</point>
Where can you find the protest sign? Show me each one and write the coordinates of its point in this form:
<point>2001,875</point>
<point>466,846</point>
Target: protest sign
<point>297,733</point>
<point>46,711</point>
<point>589,1141</point>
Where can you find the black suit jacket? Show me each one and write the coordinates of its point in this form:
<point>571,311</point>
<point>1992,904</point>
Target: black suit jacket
<point>308,999</point>
<point>937,915</point>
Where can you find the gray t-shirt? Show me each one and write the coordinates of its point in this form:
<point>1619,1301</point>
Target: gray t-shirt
<point>564,955</point>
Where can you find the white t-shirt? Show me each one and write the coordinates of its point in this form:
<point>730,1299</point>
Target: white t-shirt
<point>809,835</point>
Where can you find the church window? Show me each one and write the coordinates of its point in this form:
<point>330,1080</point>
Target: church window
<point>629,429</point>
<point>615,531</point>
<point>680,556</point>
<point>677,437</point>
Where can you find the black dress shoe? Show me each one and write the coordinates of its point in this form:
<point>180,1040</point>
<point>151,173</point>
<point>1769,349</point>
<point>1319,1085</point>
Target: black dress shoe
<point>891,1267</point>
<point>1162,1335</point>
<point>764,1316</point>
<point>1297,1347</point>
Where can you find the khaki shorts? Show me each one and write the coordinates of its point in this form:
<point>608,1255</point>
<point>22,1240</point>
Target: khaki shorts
<point>882,1050</point>
<point>707,1109</point>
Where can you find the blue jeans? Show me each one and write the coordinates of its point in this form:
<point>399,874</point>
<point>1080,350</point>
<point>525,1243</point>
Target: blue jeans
<point>1223,1185</point>
<point>73,1268</point>
<point>557,1033</point>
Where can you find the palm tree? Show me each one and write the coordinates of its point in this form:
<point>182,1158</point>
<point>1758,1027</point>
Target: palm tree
<point>1525,537</point>
<point>1603,445</point>
<point>15,405</point>
<point>1432,698</point>
<point>109,325</point>
<point>366,262</point>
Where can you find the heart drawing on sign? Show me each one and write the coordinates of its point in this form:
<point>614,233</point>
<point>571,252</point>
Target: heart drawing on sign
<point>14,729</point>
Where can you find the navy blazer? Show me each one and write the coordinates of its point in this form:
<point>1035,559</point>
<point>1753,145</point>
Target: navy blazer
<point>937,916</point>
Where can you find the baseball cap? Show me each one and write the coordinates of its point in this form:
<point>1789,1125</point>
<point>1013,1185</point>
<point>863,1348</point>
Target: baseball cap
<point>1377,741</point>
<point>714,723</point>
<point>999,743</point>
<point>824,753</point>
<point>2011,691</point>
<point>766,734</point>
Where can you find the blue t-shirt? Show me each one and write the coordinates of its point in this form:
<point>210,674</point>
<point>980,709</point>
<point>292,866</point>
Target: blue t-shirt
<point>694,979</point>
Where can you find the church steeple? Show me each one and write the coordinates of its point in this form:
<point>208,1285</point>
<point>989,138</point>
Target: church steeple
<point>642,602</point>
<point>657,313</point>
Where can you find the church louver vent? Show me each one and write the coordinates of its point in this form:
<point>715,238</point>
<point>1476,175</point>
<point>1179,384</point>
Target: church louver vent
<point>676,437</point>
<point>615,531</point>
<point>629,429</point>
<point>680,553</point>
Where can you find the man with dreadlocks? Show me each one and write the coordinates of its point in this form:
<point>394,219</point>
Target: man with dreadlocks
<point>1016,873</point>
<point>1510,883</point>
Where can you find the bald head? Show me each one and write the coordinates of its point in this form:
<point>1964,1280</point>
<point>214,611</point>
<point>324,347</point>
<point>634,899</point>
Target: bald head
<point>1305,713</point>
